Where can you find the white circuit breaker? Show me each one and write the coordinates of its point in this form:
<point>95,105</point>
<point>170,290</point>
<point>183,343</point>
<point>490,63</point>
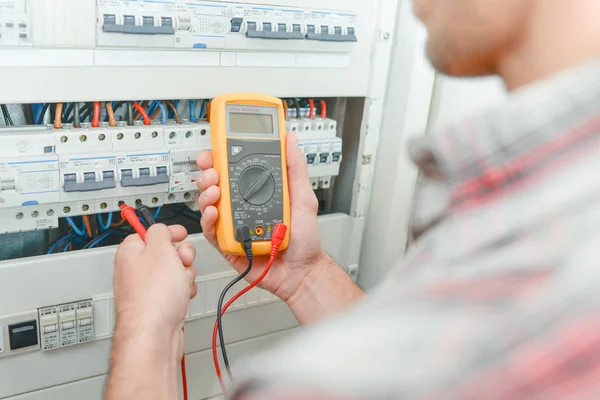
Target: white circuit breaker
<point>67,324</point>
<point>318,141</point>
<point>85,321</point>
<point>49,328</point>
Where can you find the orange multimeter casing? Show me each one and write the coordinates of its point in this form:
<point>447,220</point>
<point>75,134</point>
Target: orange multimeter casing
<point>248,140</point>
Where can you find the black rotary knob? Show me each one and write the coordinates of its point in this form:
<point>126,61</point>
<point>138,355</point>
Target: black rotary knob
<point>257,185</point>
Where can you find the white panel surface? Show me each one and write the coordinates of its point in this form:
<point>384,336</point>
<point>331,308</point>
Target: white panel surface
<point>36,282</point>
<point>202,382</point>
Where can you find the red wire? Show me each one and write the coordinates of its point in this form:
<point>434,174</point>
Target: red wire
<point>229,303</point>
<point>184,375</point>
<point>311,103</point>
<point>96,118</point>
<point>323,109</point>
<point>143,113</point>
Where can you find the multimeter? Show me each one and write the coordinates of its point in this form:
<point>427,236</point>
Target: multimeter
<point>248,140</point>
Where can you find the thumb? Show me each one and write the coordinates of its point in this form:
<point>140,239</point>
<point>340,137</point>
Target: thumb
<point>158,236</point>
<point>302,197</point>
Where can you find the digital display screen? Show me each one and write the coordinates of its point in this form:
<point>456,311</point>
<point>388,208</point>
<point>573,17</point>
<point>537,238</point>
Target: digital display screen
<point>251,123</point>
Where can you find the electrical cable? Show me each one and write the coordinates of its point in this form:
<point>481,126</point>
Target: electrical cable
<point>208,108</point>
<point>202,108</point>
<point>40,119</point>
<point>58,116</point>
<point>136,113</point>
<point>58,241</point>
<point>7,117</point>
<point>311,105</point>
<point>285,109</point>
<point>104,226</point>
<point>112,121</point>
<point>192,104</point>
<point>87,110</point>
<point>76,116</point>
<point>96,118</point>
<point>88,225</point>
<point>163,110</point>
<point>143,113</point>
<point>93,243</point>
<point>80,232</point>
<point>28,113</point>
<point>297,106</point>
<point>157,212</point>
<point>4,114</point>
<point>323,109</point>
<point>174,109</point>
<point>129,113</point>
<point>277,238</point>
<point>68,111</point>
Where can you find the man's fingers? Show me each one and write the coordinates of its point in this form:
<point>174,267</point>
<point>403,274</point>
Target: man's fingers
<point>207,178</point>
<point>204,160</point>
<point>187,253</point>
<point>178,233</point>
<point>209,198</point>
<point>209,218</point>
<point>191,274</point>
<point>159,235</point>
<point>194,290</point>
<point>302,196</point>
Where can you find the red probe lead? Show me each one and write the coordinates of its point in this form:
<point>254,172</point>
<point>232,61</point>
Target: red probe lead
<point>129,214</point>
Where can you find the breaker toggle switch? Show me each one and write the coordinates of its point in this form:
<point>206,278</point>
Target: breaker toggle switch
<point>336,157</point>
<point>252,31</point>
<point>88,181</point>
<point>296,33</point>
<point>280,33</point>
<point>146,176</point>
<point>310,158</point>
<point>236,25</point>
<point>313,33</point>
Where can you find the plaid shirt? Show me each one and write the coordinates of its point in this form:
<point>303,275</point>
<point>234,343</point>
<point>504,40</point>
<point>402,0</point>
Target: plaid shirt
<point>499,298</point>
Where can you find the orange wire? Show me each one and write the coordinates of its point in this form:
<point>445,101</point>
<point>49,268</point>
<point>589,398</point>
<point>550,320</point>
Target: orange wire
<point>172,107</point>
<point>112,121</point>
<point>158,110</point>
<point>323,109</point>
<point>96,118</point>
<point>88,226</point>
<point>311,104</point>
<point>143,113</point>
<point>285,109</point>
<point>208,105</point>
<point>58,116</point>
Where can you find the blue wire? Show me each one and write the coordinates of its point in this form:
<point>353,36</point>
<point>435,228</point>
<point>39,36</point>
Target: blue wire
<point>152,107</point>
<point>108,221</point>
<point>67,246</point>
<point>99,240</point>
<point>58,242</point>
<point>202,106</point>
<point>37,110</point>
<point>192,111</point>
<point>157,212</point>
<point>80,232</point>
<point>163,110</point>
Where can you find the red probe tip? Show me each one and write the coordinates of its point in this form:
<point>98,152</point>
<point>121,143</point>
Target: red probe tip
<point>128,213</point>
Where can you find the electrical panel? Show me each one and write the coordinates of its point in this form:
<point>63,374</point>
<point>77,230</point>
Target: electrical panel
<point>223,25</point>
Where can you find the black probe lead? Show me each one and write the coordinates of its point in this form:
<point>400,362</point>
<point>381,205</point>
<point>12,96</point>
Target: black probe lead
<point>246,239</point>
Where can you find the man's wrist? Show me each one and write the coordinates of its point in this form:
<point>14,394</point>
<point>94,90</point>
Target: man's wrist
<point>325,290</point>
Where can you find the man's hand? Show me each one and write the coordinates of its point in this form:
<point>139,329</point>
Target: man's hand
<point>154,281</point>
<point>296,270</point>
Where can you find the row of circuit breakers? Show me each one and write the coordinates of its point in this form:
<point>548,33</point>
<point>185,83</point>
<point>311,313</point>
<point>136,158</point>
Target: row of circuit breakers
<point>59,326</point>
<point>188,24</point>
<point>47,173</point>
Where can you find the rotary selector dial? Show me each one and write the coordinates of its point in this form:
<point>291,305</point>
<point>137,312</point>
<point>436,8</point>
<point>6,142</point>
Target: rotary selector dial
<point>257,185</point>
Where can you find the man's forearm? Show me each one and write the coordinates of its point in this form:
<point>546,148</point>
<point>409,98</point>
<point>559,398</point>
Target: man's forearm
<point>325,291</point>
<point>143,365</point>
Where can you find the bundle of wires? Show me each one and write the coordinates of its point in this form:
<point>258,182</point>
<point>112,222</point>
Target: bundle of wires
<point>7,118</point>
